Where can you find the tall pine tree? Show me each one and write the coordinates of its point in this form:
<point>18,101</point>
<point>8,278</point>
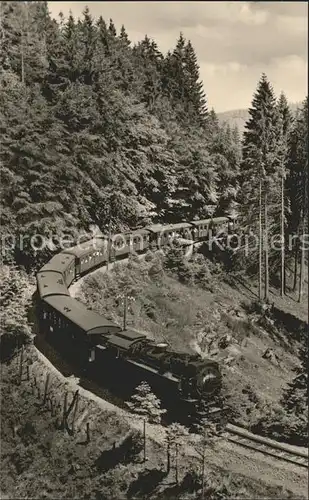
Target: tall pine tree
<point>259,175</point>
<point>297,187</point>
<point>284,127</point>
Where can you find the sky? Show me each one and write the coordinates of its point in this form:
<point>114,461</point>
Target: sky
<point>235,42</point>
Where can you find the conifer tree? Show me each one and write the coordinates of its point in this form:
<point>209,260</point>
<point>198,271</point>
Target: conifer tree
<point>259,175</point>
<point>146,404</point>
<point>112,29</point>
<point>209,434</point>
<point>284,126</point>
<point>124,36</point>
<point>194,92</point>
<point>175,438</point>
<point>297,186</point>
<point>88,38</point>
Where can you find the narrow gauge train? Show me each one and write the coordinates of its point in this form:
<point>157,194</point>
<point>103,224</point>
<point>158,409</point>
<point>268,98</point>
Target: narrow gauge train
<point>124,357</point>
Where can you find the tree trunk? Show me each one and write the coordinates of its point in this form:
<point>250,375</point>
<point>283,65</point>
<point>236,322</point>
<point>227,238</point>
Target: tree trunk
<point>295,266</point>
<point>168,465</point>
<point>266,249</point>
<point>203,474</point>
<point>144,439</point>
<point>176,463</point>
<point>302,262</point>
<point>108,245</point>
<point>22,54</point>
<point>260,240</point>
<point>125,307</point>
<point>282,239</point>
<point>21,364</point>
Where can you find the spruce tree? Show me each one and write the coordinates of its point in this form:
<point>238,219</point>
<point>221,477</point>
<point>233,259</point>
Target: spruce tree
<point>88,38</point>
<point>124,36</point>
<point>284,126</point>
<point>297,187</point>
<point>112,29</point>
<point>194,91</point>
<point>260,171</point>
<point>146,404</point>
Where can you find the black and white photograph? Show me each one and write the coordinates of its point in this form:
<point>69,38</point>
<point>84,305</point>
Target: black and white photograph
<point>154,250</point>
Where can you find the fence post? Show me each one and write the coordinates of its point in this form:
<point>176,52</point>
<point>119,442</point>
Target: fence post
<point>46,388</point>
<point>75,411</point>
<point>21,363</point>
<point>51,406</point>
<point>65,403</point>
<point>176,463</point>
<point>168,465</point>
<point>144,436</point>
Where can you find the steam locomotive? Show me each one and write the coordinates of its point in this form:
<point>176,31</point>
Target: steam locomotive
<point>125,357</point>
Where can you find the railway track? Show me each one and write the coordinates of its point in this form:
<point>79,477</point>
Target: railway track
<point>267,446</point>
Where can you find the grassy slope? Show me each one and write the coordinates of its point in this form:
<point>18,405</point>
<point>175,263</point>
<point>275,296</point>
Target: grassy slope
<point>189,317</point>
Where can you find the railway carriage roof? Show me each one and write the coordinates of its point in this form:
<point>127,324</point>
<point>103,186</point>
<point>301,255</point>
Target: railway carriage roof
<point>157,228</point>
<point>51,283</point>
<point>220,219</point>
<point>89,321</point>
<point>136,232</point>
<point>58,263</point>
<point>215,220</point>
<point>86,248</point>
<point>200,222</point>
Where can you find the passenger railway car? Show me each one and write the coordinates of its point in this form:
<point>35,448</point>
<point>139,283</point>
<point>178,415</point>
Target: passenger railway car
<point>161,235</point>
<point>126,243</point>
<point>70,324</point>
<point>88,255</point>
<point>202,227</point>
<point>62,263</point>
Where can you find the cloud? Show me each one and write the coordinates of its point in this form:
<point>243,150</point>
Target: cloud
<point>234,41</point>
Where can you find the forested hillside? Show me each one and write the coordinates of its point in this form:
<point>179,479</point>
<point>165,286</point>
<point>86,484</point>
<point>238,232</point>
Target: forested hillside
<point>96,130</point>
